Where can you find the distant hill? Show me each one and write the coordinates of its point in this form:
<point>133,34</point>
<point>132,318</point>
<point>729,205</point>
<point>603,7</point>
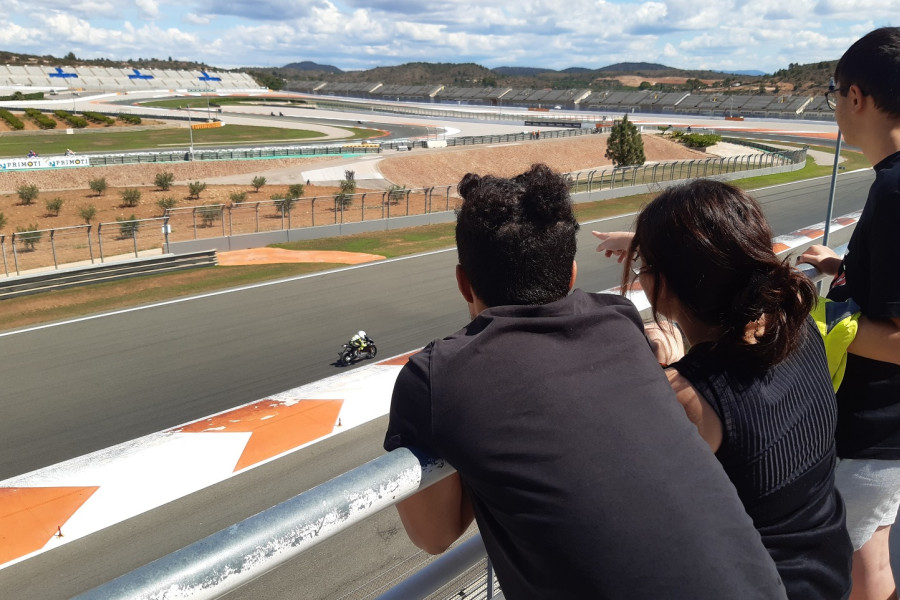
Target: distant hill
<point>629,67</point>
<point>307,65</point>
<point>520,71</point>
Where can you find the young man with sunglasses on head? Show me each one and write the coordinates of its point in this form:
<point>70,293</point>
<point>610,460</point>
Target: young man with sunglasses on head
<point>866,102</point>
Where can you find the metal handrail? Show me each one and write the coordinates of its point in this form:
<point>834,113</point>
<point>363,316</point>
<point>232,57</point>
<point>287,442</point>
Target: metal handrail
<point>231,557</point>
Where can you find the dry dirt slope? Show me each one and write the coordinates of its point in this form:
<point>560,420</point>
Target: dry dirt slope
<point>416,169</point>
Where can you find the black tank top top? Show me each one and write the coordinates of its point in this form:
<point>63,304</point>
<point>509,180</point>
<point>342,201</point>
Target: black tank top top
<point>778,450</point>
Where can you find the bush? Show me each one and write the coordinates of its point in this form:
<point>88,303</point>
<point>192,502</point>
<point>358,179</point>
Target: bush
<point>73,120</point>
<point>98,186</point>
<point>2,220</point>
<point>209,214</point>
<point>237,197</point>
<point>29,236</point>
<point>396,193</point>
<point>164,180</point>
<point>54,206</point>
<point>87,213</point>
<point>195,188</point>
<point>700,140</point>
<point>258,182</point>
<point>283,204</point>
<point>130,197</point>
<point>96,117</point>
<point>28,193</point>
<point>344,197</point>
<point>128,227</point>
<point>12,120</point>
<point>166,203</point>
<point>296,190</point>
<point>42,120</point>
<point>130,119</point>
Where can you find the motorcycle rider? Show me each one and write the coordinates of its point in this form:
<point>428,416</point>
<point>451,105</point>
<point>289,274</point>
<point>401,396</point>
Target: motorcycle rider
<point>360,340</point>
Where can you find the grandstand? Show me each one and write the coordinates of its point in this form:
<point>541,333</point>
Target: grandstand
<point>113,79</point>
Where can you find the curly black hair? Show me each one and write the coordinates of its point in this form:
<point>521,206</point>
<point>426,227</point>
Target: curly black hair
<point>516,237</point>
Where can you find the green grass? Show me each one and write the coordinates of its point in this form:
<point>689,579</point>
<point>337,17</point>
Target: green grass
<point>122,140</point>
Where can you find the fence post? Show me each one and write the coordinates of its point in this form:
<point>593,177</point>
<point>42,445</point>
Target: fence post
<point>363,217</point>
<point>166,230</point>
<point>230,220</point>
<point>15,254</point>
<point>448,198</point>
<point>222,217</point>
<point>313,211</point>
<point>134,237</point>
<point>3,252</point>
<point>407,201</point>
<point>283,206</point>
<point>53,248</point>
<point>100,240</point>
<point>194,219</point>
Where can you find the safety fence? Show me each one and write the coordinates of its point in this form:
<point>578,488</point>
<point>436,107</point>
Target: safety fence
<point>25,251</point>
<point>611,178</point>
<point>233,154</point>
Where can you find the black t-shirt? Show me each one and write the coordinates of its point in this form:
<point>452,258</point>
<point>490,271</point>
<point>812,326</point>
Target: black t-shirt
<point>869,396</point>
<point>587,479</point>
<point>778,450</point>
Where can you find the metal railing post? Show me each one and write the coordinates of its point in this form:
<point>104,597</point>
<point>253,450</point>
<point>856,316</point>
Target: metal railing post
<point>194,219</point>
<point>100,239</point>
<point>257,217</point>
<point>3,252</point>
<point>53,248</point>
<point>134,237</point>
<point>166,230</point>
<point>15,254</point>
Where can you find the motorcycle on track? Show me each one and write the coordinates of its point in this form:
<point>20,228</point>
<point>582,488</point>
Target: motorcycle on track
<point>350,353</point>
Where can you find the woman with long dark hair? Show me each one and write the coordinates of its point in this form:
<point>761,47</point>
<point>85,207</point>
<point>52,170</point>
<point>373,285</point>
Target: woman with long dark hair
<point>755,381</point>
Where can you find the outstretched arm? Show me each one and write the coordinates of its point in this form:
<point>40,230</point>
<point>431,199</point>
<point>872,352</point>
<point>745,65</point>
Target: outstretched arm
<point>435,517</point>
<point>614,243</point>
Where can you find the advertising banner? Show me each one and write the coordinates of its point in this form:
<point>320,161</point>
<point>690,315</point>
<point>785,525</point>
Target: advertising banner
<point>40,162</point>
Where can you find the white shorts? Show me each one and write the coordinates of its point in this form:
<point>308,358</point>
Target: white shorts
<point>871,492</point>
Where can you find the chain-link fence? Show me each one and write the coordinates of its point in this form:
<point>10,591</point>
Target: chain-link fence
<point>42,249</point>
<point>611,178</point>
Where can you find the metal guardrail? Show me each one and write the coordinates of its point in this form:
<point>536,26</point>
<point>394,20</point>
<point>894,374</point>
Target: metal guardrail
<point>57,280</point>
<point>229,558</point>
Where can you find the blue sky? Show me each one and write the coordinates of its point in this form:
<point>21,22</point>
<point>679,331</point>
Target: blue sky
<point>762,35</point>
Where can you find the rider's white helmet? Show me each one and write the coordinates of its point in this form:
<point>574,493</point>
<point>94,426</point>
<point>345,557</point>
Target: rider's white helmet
<point>361,333</point>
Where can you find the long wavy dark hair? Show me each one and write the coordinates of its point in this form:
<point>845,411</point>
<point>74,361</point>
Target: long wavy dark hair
<point>713,245</point>
<point>516,237</point>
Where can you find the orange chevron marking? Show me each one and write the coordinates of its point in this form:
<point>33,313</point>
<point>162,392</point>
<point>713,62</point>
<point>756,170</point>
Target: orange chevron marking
<point>29,516</point>
<point>779,247</point>
<point>275,427</point>
<point>811,233</point>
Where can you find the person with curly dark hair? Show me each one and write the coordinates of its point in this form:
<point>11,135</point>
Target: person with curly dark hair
<point>584,475</point>
<point>755,380</point>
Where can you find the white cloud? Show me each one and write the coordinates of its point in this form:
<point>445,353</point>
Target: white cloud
<point>148,8</point>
